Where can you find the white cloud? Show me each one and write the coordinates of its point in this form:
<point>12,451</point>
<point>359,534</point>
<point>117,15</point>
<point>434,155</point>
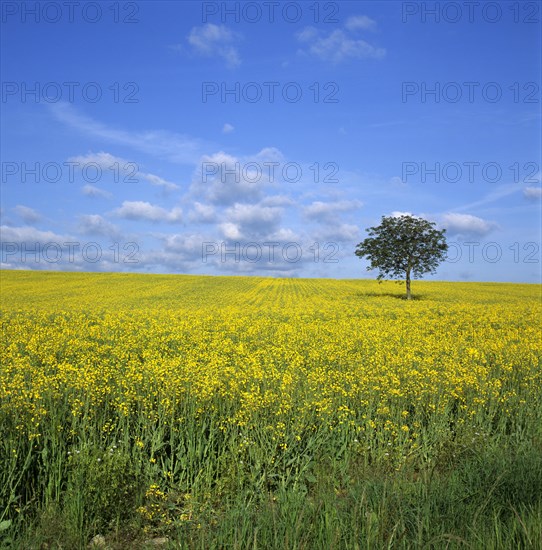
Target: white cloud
<point>153,179</point>
<point>532,193</point>
<point>105,161</point>
<point>94,224</point>
<point>362,22</point>
<point>307,34</point>
<point>27,214</point>
<point>225,179</point>
<point>95,192</point>
<point>342,232</point>
<point>337,46</point>
<point>189,246</point>
<point>252,220</point>
<point>202,213</point>
<point>496,194</point>
<point>215,41</point>
<point>177,148</point>
<point>328,212</point>
<point>283,234</point>
<point>30,235</point>
<point>277,200</point>
<point>230,230</point>
<point>227,128</point>
<point>140,210</point>
<point>270,154</point>
<point>122,170</point>
<point>466,224</point>
<point>161,261</point>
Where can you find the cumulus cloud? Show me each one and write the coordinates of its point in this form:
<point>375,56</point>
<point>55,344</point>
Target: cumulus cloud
<point>328,212</point>
<point>144,211</point>
<point>163,261</point>
<point>188,245</point>
<point>30,235</point>
<point>27,214</point>
<point>224,179</point>
<point>202,213</point>
<point>95,192</point>
<point>466,224</point>
<point>343,232</point>
<point>227,128</point>
<point>212,40</point>
<point>251,220</point>
<point>270,154</point>
<point>230,230</point>
<point>277,200</point>
<point>94,224</point>
<point>339,45</point>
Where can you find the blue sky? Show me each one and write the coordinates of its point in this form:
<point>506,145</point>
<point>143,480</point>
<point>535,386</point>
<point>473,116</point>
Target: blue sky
<point>223,139</point>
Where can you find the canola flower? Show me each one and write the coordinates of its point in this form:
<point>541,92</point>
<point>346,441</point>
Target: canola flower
<point>290,356</point>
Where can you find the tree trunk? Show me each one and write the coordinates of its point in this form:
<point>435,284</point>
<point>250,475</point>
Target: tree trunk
<point>408,285</point>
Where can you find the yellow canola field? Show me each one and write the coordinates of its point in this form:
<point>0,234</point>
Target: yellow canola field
<point>290,356</point>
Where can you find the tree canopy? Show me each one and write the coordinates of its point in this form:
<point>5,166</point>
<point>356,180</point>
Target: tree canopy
<point>403,247</point>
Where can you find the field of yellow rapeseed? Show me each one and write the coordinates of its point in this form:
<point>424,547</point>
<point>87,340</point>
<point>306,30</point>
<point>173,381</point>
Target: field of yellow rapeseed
<point>298,353</point>
<point>274,364</point>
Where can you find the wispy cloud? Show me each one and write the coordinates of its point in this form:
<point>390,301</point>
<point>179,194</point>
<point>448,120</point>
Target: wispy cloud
<point>341,44</point>
<point>129,171</point>
<point>174,147</point>
<point>532,193</point>
<point>329,212</point>
<point>360,22</point>
<point>27,214</point>
<point>498,193</point>
<point>95,192</point>
<point>212,40</point>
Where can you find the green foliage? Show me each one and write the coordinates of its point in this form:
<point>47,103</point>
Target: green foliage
<point>100,484</point>
<point>403,246</point>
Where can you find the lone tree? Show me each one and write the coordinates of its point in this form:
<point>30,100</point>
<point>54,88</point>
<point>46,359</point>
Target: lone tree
<point>403,246</point>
